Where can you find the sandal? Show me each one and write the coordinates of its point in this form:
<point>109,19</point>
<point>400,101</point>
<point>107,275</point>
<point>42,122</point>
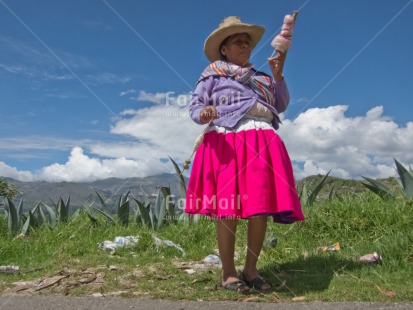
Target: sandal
<point>237,286</point>
<point>258,283</point>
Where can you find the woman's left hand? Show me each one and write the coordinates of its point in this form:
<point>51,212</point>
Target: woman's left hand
<point>277,65</point>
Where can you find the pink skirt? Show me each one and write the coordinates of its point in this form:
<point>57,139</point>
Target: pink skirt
<point>243,172</point>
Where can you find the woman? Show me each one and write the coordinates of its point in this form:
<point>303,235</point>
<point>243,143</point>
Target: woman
<point>242,169</point>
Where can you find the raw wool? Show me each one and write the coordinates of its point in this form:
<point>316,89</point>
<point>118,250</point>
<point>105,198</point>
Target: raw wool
<point>197,143</point>
<point>282,41</point>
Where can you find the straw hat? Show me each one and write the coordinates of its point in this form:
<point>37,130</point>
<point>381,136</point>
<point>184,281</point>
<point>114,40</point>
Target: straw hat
<point>229,26</point>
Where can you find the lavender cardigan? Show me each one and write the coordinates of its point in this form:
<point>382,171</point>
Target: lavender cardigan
<point>233,100</point>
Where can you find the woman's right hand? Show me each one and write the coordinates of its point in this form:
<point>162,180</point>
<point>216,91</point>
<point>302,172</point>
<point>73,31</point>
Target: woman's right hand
<point>208,113</point>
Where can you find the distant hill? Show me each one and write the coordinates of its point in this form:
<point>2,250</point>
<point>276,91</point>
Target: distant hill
<point>110,189</point>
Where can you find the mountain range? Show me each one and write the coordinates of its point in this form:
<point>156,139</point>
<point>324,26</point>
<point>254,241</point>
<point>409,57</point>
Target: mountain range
<point>85,192</point>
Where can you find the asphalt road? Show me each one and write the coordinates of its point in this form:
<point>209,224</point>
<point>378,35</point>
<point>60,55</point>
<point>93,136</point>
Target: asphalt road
<point>106,303</point>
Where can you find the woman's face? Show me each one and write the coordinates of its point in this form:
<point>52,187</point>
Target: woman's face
<point>237,49</point>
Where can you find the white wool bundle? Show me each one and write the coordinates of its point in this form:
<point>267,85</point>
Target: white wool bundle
<point>282,41</point>
<point>198,142</point>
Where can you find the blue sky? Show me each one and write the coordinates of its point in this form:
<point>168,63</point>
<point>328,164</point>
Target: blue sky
<point>95,89</point>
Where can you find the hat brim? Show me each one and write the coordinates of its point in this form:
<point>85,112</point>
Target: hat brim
<point>214,40</point>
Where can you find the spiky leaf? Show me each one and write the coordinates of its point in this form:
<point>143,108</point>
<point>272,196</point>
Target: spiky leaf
<point>153,218</point>
<point>162,208</point>
<point>144,212</point>
<point>20,208</point>
<point>170,207</point>
<point>102,201</point>
<point>37,217</point>
<point>90,215</point>
<point>378,188</point>
<point>26,226</point>
<point>314,193</point>
<point>304,195</point>
<point>123,212</point>
<point>51,215</point>
<point>63,210</point>
<point>106,215</point>
<point>159,209</point>
<point>181,180</point>
<point>406,178</point>
<point>13,218</point>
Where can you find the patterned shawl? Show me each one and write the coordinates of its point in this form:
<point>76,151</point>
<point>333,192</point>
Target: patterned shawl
<point>259,82</point>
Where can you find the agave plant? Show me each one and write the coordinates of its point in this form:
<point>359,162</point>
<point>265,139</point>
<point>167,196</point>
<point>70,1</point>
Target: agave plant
<point>122,209</point>
<point>378,188</point>
<point>40,215</point>
<point>142,213</point>
<point>185,217</point>
<point>14,215</point>
<point>63,210</point>
<point>93,212</point>
<point>405,181</point>
<point>307,197</point>
<point>181,180</point>
<point>163,210</point>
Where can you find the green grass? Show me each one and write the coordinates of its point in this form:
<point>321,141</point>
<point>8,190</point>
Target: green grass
<point>362,225</point>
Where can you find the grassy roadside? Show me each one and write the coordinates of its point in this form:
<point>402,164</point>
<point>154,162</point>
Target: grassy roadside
<point>362,225</point>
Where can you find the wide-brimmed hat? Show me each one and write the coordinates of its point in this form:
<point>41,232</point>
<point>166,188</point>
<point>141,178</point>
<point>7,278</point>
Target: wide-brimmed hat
<point>229,26</point>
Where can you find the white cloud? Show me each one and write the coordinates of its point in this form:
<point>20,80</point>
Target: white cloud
<point>324,139</point>
<point>81,167</point>
<point>161,130</point>
<point>11,172</point>
<point>131,91</point>
<point>158,98</point>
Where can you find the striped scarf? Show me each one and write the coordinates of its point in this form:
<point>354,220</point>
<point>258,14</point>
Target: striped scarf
<point>259,82</point>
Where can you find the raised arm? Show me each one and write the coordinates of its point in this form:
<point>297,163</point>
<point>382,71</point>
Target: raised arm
<point>282,95</point>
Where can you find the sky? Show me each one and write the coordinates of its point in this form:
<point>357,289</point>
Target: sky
<point>97,89</point>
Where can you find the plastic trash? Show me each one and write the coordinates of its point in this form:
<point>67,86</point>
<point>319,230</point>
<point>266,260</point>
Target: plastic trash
<point>212,259</point>
<point>9,269</point>
<point>119,242</point>
<point>373,258</point>
<point>331,248</point>
<point>159,242</point>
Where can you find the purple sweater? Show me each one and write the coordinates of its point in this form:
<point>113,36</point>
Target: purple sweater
<point>233,100</point>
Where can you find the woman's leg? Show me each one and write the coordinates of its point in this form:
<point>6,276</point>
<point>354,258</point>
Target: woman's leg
<point>257,226</point>
<point>226,229</point>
